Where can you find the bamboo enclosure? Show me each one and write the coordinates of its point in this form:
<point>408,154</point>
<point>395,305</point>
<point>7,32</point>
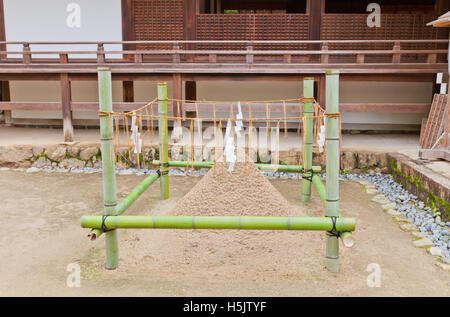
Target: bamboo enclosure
<point>310,119</point>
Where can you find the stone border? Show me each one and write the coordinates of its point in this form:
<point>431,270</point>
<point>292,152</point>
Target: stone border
<point>429,186</point>
<point>426,226</point>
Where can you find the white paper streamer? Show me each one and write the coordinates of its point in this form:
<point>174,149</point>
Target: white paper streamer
<point>135,135</point>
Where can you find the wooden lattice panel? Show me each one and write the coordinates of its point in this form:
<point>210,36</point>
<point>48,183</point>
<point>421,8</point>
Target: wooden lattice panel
<point>393,27</point>
<point>434,125</point>
<point>158,20</point>
<point>252,27</point>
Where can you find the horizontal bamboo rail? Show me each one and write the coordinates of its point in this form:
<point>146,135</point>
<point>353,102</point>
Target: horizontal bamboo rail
<point>218,222</point>
<point>262,167</point>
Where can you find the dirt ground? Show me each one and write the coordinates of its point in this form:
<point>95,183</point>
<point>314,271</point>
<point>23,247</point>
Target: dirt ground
<point>41,235</point>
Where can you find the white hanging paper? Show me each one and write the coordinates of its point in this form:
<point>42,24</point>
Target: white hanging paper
<point>135,135</point>
<point>230,157</point>
<point>239,118</point>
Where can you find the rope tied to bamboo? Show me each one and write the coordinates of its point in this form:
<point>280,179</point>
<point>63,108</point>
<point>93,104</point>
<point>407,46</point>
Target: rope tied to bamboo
<point>333,232</point>
<point>104,227</point>
<point>309,172</point>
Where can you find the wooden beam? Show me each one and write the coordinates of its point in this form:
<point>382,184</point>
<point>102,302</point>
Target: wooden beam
<point>177,88</point>
<point>128,91</point>
<point>66,99</point>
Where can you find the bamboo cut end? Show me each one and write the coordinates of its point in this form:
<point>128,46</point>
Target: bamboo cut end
<point>348,240</point>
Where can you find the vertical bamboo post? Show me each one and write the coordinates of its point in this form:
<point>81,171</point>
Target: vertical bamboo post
<point>109,176</point>
<point>308,111</point>
<point>163,141</point>
<point>332,168</point>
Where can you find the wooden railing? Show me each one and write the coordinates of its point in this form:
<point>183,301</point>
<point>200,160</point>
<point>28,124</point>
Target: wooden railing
<point>183,52</point>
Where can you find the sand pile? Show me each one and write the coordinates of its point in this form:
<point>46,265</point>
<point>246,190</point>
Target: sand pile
<point>245,191</point>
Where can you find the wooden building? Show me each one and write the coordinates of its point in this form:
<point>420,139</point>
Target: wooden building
<point>219,49</point>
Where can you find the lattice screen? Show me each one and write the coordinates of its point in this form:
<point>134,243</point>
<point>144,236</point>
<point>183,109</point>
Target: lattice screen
<point>252,27</point>
<point>158,20</point>
<point>393,27</point>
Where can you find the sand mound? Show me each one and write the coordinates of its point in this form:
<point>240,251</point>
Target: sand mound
<point>245,191</point>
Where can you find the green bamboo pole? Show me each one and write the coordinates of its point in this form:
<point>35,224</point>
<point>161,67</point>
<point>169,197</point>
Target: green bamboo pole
<point>109,176</point>
<point>320,187</point>
<point>332,165</point>
<point>263,167</point>
<point>127,201</point>
<point>135,193</point>
<point>219,222</point>
<point>163,140</point>
<point>308,111</point>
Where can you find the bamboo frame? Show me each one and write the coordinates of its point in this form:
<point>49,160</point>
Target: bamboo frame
<point>335,225</point>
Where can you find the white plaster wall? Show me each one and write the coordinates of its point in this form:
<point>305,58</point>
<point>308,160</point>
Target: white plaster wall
<point>45,21</point>
<point>350,92</point>
<point>82,91</point>
<point>146,91</point>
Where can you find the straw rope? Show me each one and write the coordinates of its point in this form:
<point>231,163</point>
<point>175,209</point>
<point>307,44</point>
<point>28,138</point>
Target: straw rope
<point>146,113</point>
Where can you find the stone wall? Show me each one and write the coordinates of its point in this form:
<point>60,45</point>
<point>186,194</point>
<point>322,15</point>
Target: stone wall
<point>79,156</point>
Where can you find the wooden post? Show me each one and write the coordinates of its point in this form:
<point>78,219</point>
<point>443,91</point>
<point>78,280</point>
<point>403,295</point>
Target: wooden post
<point>100,53</point>
<point>6,97</point>
<point>176,56</point>
<point>396,57</point>
<point>324,57</point>
<point>314,9</point>
<point>249,56</point>
<point>63,58</point>
<point>26,53</point>
<point>2,31</point>
<point>308,111</point>
<point>191,9</point>
<point>109,175</point>
<point>163,140</point>
<point>332,168</point>
<point>66,100</point>
<point>177,85</point>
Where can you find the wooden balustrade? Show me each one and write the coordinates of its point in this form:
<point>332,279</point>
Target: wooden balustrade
<point>265,53</point>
